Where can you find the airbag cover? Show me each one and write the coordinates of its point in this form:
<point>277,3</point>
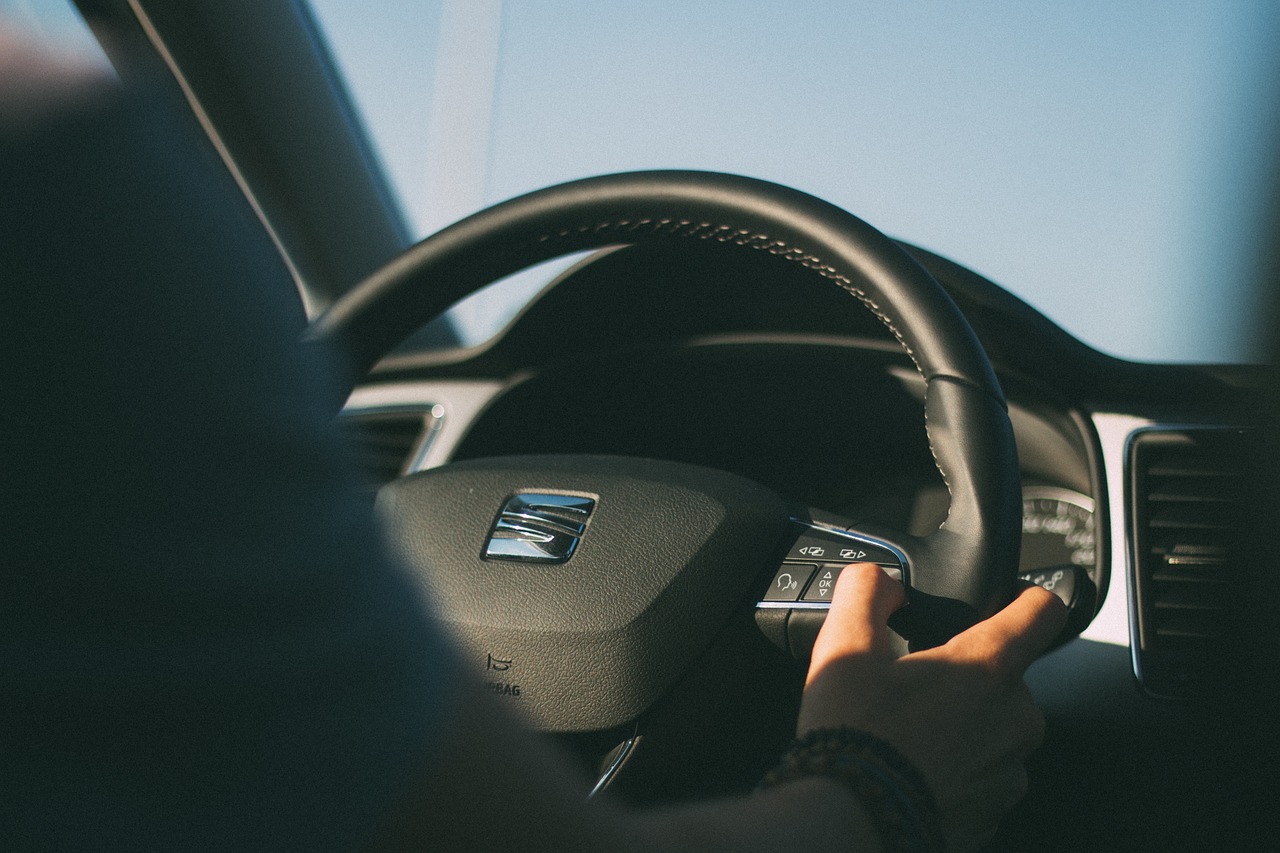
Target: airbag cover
<point>668,553</point>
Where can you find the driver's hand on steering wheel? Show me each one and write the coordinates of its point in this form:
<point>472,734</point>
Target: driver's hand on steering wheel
<point>959,712</point>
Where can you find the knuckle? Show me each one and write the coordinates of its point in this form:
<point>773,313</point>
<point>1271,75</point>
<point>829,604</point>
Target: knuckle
<point>998,661</point>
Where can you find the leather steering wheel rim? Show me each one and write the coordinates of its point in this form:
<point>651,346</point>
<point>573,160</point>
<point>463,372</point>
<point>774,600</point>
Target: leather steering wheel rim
<point>962,571</point>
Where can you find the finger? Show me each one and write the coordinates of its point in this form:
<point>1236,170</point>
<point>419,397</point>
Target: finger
<point>857,623</point>
<point>1012,639</point>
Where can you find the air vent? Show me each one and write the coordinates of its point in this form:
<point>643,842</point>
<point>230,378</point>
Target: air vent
<point>1195,505</point>
<point>387,443</point>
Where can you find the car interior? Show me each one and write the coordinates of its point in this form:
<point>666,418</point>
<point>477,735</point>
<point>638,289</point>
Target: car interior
<point>640,487</point>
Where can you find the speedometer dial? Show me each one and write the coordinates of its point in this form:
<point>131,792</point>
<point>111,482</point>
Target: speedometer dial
<point>1057,528</point>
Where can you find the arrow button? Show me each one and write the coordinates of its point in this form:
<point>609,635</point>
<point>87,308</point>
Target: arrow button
<point>823,584</point>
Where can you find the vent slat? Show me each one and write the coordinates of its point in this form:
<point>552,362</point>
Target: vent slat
<point>394,442</point>
<point>384,442</point>
<point>1204,472</point>
<point>1193,578</point>
<point>1194,515</point>
<point>1194,489</point>
<point>1195,596</point>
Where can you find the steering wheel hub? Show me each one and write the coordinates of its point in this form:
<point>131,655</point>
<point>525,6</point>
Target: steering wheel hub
<point>668,552</point>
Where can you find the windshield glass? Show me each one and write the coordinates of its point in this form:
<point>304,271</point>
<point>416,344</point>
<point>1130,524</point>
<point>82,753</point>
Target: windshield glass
<point>1106,162</point>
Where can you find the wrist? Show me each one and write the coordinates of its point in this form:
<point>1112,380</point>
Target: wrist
<point>889,789</point>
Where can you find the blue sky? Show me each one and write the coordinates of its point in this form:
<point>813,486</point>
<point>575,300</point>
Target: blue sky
<point>1101,159</point>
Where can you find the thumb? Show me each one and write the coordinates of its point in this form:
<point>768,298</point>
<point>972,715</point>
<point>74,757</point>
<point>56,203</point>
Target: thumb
<point>1012,639</point>
<point>857,624</point>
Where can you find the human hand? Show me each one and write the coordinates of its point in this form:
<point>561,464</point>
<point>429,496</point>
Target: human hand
<point>959,712</point>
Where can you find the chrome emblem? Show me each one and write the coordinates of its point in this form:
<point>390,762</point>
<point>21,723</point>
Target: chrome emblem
<point>538,528</point>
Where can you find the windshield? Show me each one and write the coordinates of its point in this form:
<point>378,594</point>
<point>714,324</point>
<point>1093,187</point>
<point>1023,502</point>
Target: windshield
<point>1103,161</point>
<point>1109,163</point>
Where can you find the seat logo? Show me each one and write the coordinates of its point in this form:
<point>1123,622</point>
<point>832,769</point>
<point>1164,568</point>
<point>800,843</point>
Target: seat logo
<point>538,528</point>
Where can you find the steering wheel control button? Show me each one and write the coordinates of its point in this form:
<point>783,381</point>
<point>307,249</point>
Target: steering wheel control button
<point>824,582</point>
<point>823,585</point>
<point>538,528</point>
<point>1059,580</point>
<point>894,572</point>
<point>837,549</point>
<point>1072,584</point>
<point>789,582</point>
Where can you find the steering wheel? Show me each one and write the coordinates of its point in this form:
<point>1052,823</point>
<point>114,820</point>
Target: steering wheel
<point>583,587</point>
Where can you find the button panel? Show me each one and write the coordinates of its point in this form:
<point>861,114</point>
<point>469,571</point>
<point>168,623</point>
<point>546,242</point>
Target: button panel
<point>805,580</point>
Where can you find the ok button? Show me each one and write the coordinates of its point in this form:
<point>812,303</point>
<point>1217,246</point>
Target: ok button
<point>823,585</point>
